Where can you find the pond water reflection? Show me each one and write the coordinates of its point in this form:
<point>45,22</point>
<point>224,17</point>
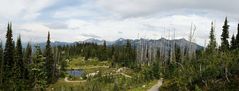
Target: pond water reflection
<point>75,72</point>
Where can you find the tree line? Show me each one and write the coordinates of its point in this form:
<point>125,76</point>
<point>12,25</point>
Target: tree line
<point>119,55</point>
<point>23,69</point>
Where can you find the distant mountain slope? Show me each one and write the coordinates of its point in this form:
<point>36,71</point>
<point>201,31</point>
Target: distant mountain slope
<point>160,42</point>
<point>121,41</point>
<point>93,40</point>
<point>43,44</point>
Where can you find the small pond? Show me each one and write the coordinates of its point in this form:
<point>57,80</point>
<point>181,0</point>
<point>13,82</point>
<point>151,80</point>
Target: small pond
<point>75,72</point>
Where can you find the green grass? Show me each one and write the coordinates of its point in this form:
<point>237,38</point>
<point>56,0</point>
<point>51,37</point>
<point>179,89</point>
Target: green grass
<point>80,63</point>
<point>65,86</point>
<point>93,65</point>
<point>147,86</point>
<point>89,66</point>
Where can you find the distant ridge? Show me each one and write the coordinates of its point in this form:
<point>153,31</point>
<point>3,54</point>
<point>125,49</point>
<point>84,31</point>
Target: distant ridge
<point>121,41</point>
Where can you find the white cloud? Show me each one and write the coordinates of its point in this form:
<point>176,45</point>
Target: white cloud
<point>132,27</point>
<point>34,32</point>
<point>18,9</point>
<point>71,12</point>
<point>140,27</point>
<point>129,8</point>
<point>103,19</point>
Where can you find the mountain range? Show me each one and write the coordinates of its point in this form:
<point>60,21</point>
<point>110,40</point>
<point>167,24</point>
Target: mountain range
<point>135,42</point>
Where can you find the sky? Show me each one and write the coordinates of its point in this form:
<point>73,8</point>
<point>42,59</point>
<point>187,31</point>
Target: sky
<point>77,20</point>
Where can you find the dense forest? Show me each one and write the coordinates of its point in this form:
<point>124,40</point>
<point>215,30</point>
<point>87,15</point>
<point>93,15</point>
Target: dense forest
<point>214,67</point>
<point>23,69</point>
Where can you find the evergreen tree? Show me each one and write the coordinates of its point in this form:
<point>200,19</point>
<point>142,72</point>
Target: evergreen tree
<point>212,40</point>
<point>105,51</point>
<point>27,62</point>
<point>237,37</point>
<point>1,63</point>
<point>128,50</point>
<point>37,71</point>
<point>19,68</point>
<point>28,54</point>
<point>129,55</point>
<point>233,43</point>
<point>8,62</point>
<point>225,36</point>
<point>63,65</point>
<point>112,51</point>
<point>156,69</point>
<point>104,45</point>
<point>50,64</point>
<point>115,57</point>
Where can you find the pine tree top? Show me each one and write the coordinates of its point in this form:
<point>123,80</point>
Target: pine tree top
<point>225,36</point>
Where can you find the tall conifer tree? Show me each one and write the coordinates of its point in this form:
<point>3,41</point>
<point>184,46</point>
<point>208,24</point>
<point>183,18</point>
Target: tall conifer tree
<point>1,63</point>
<point>50,66</point>
<point>19,67</point>
<point>212,42</point>
<point>8,60</point>
<point>27,62</point>
<point>233,43</point>
<point>237,37</point>
<point>28,54</point>
<point>38,73</point>
<point>225,36</point>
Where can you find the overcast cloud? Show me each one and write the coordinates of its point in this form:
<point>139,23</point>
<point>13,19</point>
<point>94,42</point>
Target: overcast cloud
<point>75,20</point>
<point>145,7</point>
